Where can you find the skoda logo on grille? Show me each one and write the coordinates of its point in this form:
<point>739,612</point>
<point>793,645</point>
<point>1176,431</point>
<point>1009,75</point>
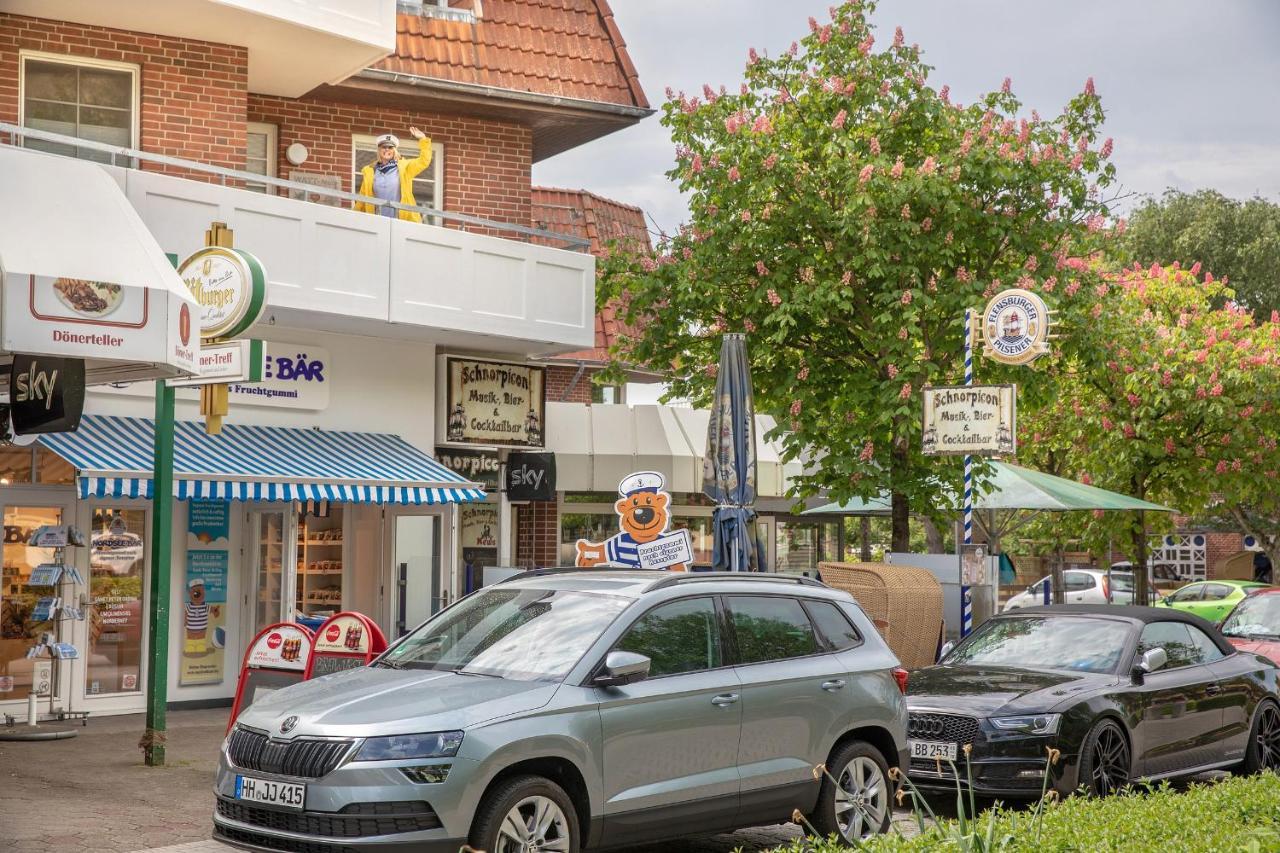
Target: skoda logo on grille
<point>930,726</point>
<point>290,722</point>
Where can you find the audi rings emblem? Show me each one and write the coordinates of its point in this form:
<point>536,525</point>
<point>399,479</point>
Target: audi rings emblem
<point>290,722</point>
<point>928,726</point>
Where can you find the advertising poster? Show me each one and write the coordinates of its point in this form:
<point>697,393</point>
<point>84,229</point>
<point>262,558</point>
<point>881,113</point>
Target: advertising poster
<point>478,529</point>
<point>979,420</point>
<point>117,556</point>
<point>488,402</point>
<point>204,593</point>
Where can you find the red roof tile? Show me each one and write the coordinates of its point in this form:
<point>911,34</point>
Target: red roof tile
<point>600,220</point>
<point>564,48</point>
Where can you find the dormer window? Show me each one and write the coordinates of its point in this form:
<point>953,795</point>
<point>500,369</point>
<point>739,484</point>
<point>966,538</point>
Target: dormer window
<point>451,10</point>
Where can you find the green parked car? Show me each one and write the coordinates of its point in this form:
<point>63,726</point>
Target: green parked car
<point>1211,600</point>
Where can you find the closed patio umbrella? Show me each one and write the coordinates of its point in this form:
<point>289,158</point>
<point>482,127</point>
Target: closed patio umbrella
<point>729,465</point>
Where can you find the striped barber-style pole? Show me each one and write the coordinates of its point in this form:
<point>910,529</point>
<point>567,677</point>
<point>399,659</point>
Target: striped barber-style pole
<point>966,595</point>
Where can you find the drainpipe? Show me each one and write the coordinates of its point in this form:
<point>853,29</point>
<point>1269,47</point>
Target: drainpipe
<point>573,383</point>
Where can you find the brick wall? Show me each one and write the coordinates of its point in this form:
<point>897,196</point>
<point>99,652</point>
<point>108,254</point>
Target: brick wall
<point>560,378</point>
<point>193,93</point>
<point>1218,548</point>
<point>537,534</point>
<point>486,163</point>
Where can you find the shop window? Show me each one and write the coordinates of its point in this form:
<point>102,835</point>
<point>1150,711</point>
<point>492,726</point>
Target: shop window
<point>260,154</point>
<point>700,533</point>
<point>52,469</point>
<point>34,464</point>
<point>87,99</point>
<point>428,187</point>
<point>320,540</point>
<point>801,545</point>
<point>607,394</point>
<point>117,557</point>
<point>19,627</point>
<point>592,526</point>
<point>16,464</point>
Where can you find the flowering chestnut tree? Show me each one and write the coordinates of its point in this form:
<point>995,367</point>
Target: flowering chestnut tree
<point>1166,398</point>
<point>844,214</point>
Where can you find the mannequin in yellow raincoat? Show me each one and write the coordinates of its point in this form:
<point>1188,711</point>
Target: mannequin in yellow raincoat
<point>390,178</point>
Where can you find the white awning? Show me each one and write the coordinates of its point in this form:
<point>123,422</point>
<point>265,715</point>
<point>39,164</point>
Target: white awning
<point>597,446</point>
<point>68,221</point>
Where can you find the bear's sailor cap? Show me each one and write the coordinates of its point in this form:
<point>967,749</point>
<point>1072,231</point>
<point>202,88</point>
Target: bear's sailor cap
<point>644,481</point>
<point>194,582</point>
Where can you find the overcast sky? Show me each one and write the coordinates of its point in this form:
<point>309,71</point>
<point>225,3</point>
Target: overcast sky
<point>1191,88</point>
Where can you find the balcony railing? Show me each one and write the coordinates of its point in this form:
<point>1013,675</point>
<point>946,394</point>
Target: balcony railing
<point>130,158</point>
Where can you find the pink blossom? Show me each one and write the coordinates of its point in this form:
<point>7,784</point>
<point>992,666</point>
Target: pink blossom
<point>1106,423</point>
<point>806,275</point>
<point>1088,86</point>
<point>671,95</point>
<point>1107,145</point>
<point>803,374</point>
<point>868,451</point>
<point>761,269</point>
<point>1235,465</point>
<point>927,224</point>
<point>1076,162</point>
<point>752,56</point>
<point>745,216</point>
<point>824,35</point>
<point>865,174</point>
<point>648,264</point>
<point>839,120</point>
<point>1086,479</point>
<point>1201,393</point>
<point>905,392</point>
<point>734,174</point>
<point>1221,467</point>
<point>687,253</point>
<point>1129,431</point>
<point>962,274</point>
<point>1216,390</point>
<point>748,325</point>
<point>932,286</point>
<point>949,238</point>
<point>929,166</point>
<point>906,297</point>
<point>906,211</point>
<point>732,123</point>
<point>1007,85</point>
<point>1246,412</point>
<point>770,161</point>
<point>944,94</point>
<point>795,408</point>
<point>875,145</point>
<point>885,87</point>
<point>1169,447</point>
<point>813,24</point>
<point>711,370</point>
<point>1133,400</point>
<point>897,37</point>
<point>892,370</point>
<point>762,124</point>
<point>774,299</point>
<point>896,171</point>
<point>902,333</point>
<point>696,165</point>
<point>794,49</point>
<point>1275,316</point>
<point>865,47</point>
<point>846,278</point>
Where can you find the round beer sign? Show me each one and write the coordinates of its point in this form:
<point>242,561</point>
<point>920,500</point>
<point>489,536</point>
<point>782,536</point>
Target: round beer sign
<point>231,288</point>
<point>1016,327</point>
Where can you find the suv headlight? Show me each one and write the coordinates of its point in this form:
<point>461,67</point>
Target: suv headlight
<point>397,747</point>
<point>1031,724</point>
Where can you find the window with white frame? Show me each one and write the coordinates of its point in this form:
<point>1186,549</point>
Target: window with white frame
<point>451,10</point>
<point>85,98</point>
<point>260,154</point>
<point>428,187</point>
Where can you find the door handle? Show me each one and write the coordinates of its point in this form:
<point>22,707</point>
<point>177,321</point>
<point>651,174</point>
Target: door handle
<point>1213,689</point>
<point>724,700</point>
<point>833,685</point>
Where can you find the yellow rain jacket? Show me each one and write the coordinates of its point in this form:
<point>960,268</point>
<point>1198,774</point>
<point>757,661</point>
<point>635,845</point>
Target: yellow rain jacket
<point>409,169</point>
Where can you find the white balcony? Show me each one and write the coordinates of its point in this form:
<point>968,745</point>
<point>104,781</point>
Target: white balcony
<point>294,45</point>
<point>333,269</point>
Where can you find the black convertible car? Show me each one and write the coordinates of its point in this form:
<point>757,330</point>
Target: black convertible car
<point>1124,693</point>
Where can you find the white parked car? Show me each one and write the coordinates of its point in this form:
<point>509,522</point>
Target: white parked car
<point>1083,586</point>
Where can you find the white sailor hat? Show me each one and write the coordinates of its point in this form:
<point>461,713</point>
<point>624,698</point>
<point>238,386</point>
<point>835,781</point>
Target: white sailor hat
<point>388,139</point>
<point>194,582</point>
<point>643,481</point>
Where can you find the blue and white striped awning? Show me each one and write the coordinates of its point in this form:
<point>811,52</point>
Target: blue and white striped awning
<point>114,459</point>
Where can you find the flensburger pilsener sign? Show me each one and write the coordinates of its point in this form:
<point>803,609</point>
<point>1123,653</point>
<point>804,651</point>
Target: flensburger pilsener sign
<point>979,420</point>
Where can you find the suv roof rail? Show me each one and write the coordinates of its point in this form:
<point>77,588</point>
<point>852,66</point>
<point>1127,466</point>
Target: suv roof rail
<point>752,577</point>
<point>540,571</point>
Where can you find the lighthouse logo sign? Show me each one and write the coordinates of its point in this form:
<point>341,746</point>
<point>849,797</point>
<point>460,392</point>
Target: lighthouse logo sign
<point>1016,327</point>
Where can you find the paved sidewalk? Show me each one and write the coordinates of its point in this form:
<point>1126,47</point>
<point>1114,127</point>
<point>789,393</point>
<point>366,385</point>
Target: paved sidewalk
<point>92,794</point>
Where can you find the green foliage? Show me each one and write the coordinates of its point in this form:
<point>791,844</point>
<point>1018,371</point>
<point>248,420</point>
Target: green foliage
<point>1164,398</point>
<point>1238,240</point>
<point>1235,814</point>
<point>844,215</point>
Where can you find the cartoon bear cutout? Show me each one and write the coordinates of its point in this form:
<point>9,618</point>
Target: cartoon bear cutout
<point>644,514</point>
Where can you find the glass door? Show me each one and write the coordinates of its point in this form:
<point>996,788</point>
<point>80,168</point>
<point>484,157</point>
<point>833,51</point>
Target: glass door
<point>117,600</point>
<point>31,610</point>
<point>274,533</point>
<point>421,577</point>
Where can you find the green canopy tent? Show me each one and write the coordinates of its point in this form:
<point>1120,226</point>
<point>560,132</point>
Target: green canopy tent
<point>1018,493</point>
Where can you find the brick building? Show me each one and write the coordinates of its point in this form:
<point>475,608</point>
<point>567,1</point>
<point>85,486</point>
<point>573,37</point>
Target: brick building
<point>261,116</point>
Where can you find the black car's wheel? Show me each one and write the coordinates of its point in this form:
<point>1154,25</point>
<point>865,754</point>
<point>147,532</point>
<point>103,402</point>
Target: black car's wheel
<point>1105,759</point>
<point>1263,751</point>
<point>859,803</point>
<point>526,813</point>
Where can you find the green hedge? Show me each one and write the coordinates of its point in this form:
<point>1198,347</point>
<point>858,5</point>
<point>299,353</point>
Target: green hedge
<point>1238,814</point>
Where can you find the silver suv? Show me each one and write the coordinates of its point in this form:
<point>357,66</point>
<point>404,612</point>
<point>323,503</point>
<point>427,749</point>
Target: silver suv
<point>561,711</point>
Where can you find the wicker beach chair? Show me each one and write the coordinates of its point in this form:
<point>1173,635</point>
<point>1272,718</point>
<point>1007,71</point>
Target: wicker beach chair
<point>904,602</point>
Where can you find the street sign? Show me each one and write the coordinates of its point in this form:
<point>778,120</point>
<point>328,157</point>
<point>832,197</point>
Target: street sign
<point>226,362</point>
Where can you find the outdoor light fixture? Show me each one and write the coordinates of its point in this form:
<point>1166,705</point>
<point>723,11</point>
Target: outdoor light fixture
<point>296,153</point>
<point>400,747</point>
